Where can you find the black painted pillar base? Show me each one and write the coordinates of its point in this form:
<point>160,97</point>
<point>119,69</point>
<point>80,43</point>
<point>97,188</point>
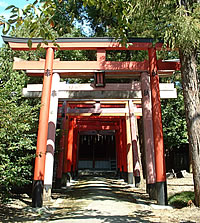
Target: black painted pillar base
<point>72,175</point>
<point>72,172</point>
<point>58,183</point>
<point>151,190</point>
<point>161,188</point>
<point>69,177</point>
<point>124,176</point>
<point>130,178</point>
<point>64,180</point>
<point>76,174</point>
<point>118,174</point>
<point>137,181</point>
<point>37,193</point>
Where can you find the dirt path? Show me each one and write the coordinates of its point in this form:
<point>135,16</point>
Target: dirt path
<point>98,199</point>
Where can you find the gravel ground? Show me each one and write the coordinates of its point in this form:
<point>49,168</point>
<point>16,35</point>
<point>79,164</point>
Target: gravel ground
<point>99,199</point>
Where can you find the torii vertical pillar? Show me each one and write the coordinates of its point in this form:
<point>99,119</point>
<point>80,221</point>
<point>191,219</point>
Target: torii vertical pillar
<point>121,156</point>
<point>118,158</point>
<point>74,152</point>
<point>70,147</point>
<point>136,160</point>
<point>129,151</point>
<point>148,134</point>
<point>157,130</point>
<point>49,163</point>
<point>59,169</point>
<point>123,150</point>
<point>38,181</point>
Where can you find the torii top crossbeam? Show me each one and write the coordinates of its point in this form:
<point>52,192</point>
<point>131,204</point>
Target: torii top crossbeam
<point>112,69</point>
<point>82,43</point>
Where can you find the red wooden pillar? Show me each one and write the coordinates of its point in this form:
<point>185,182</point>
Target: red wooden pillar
<point>125,146</point>
<point>157,130</point>
<point>74,152</point>
<point>77,152</point>
<point>59,170</point>
<point>148,134</point>
<point>117,142</point>
<point>121,153</point>
<point>64,176</point>
<point>37,198</point>
<point>70,145</point>
<point>124,150</point>
<point>66,146</point>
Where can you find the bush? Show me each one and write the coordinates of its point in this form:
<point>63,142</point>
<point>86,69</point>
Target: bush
<point>182,199</point>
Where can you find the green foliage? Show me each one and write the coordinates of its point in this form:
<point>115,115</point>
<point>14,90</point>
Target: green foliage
<point>181,200</point>
<point>46,19</point>
<point>18,119</point>
<point>174,123</point>
<point>177,22</point>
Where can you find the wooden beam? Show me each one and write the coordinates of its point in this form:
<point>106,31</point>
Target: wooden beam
<point>99,115</point>
<point>83,46</point>
<point>111,91</point>
<point>83,65</point>
<point>108,118</point>
<point>134,86</point>
<point>107,127</point>
<point>166,65</point>
<point>63,86</point>
<point>93,110</point>
<point>96,65</point>
<point>96,122</point>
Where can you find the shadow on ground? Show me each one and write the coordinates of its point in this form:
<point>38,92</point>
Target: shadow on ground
<point>75,204</point>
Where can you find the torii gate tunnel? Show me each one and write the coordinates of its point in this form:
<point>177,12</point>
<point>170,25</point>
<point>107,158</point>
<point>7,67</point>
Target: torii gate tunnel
<point>116,123</point>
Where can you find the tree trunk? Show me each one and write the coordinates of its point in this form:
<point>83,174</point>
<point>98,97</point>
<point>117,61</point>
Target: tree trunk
<point>192,109</point>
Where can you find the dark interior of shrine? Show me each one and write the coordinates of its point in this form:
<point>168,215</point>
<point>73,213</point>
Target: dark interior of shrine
<point>97,150</point>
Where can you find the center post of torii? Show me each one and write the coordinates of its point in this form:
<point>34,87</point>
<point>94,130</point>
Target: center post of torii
<point>111,109</point>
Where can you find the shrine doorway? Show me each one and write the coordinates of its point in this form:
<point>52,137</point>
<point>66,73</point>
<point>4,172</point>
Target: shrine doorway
<point>97,150</point>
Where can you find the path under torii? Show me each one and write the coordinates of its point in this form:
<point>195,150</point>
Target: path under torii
<point>66,92</point>
<point>101,69</point>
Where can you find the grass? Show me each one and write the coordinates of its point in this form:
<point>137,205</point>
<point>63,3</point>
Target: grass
<point>181,200</point>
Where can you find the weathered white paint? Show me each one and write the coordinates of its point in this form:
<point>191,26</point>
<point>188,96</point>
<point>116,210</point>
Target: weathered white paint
<point>134,86</point>
<point>88,91</point>
<point>49,162</point>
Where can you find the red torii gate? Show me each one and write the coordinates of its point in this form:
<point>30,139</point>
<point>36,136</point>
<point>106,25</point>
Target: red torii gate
<point>101,67</point>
